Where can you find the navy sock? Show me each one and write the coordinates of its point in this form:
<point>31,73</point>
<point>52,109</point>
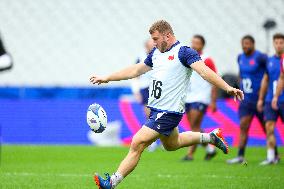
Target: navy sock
<point>241,152</point>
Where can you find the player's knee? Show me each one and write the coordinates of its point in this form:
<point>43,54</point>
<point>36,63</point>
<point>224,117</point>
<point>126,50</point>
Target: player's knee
<point>244,128</point>
<point>244,125</point>
<point>269,128</point>
<point>170,147</point>
<point>271,143</point>
<point>137,144</point>
<point>269,132</point>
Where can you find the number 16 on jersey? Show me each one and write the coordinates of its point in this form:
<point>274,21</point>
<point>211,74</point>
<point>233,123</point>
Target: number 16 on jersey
<point>157,90</point>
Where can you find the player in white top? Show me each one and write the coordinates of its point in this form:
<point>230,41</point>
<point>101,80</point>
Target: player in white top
<point>200,94</point>
<point>171,65</point>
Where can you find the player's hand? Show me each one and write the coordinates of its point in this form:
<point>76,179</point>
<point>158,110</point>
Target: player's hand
<point>98,80</point>
<point>237,93</point>
<point>259,106</point>
<point>213,106</point>
<point>274,103</point>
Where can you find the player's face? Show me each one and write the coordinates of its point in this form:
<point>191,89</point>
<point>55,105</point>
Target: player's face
<point>248,46</point>
<point>160,40</point>
<point>196,44</point>
<point>278,46</point>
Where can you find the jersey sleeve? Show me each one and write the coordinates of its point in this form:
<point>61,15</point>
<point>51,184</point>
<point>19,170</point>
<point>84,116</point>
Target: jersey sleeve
<point>187,56</point>
<point>209,62</point>
<point>148,60</point>
<point>239,58</point>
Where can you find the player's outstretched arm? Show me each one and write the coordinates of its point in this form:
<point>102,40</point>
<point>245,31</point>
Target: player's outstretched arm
<point>207,74</point>
<point>262,92</point>
<point>127,73</point>
<point>279,89</point>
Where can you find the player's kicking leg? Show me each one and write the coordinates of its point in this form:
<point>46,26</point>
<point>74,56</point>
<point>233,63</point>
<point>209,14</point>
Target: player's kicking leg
<point>195,114</point>
<point>194,117</point>
<point>163,125</point>
<point>178,140</point>
<point>142,139</point>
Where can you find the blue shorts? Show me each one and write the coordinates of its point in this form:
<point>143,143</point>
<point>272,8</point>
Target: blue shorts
<point>163,122</point>
<point>196,106</point>
<point>145,95</point>
<point>249,109</point>
<point>272,115</point>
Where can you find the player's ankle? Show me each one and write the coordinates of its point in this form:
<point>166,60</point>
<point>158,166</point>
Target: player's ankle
<point>116,178</point>
<point>205,138</point>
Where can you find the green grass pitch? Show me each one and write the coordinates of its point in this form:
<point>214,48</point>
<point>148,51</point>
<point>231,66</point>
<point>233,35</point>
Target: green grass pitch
<point>71,167</point>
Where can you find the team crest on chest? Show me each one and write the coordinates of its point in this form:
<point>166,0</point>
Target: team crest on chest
<point>251,62</point>
<point>171,57</point>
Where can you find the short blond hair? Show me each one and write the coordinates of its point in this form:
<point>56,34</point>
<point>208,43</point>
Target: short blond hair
<point>161,26</point>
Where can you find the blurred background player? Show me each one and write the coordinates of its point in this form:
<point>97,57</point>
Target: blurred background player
<point>251,70</point>
<point>280,85</point>
<point>5,58</point>
<point>200,95</point>
<point>140,86</point>
<point>268,87</point>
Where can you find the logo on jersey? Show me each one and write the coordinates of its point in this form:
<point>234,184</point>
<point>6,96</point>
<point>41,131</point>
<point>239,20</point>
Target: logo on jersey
<point>251,62</point>
<point>171,57</point>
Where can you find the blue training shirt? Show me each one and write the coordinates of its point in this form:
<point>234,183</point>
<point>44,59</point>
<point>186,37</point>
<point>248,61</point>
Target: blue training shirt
<point>273,67</point>
<point>252,69</point>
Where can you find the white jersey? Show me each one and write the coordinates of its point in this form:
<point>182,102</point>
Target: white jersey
<point>170,77</point>
<point>199,90</point>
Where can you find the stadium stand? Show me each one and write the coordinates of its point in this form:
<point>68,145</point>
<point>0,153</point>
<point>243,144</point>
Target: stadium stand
<point>62,42</point>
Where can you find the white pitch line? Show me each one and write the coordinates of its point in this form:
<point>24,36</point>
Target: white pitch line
<point>216,176</point>
<point>27,174</point>
<point>31,174</point>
